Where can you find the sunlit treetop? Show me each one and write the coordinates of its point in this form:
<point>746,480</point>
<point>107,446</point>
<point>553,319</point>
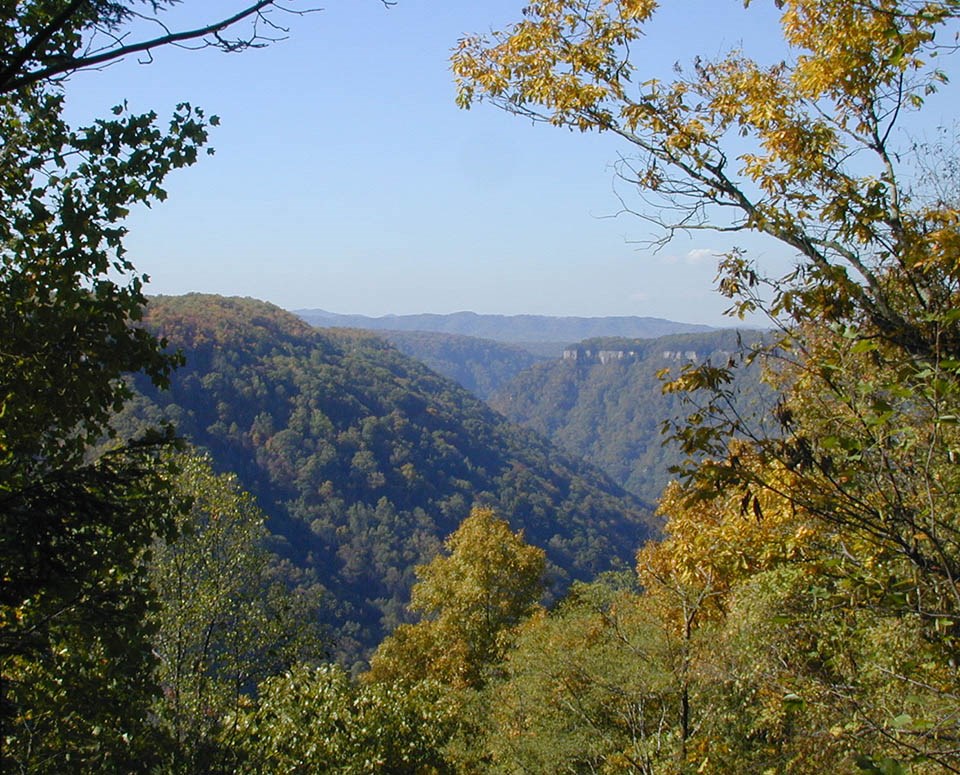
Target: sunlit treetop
<point>803,149</point>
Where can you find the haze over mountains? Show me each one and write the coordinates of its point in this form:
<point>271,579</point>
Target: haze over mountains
<point>508,328</point>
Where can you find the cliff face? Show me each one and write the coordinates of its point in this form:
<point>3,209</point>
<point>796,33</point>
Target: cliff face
<point>588,355</point>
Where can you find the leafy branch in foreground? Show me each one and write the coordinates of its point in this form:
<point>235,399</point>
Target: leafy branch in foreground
<point>817,168</point>
<point>810,152</point>
<point>76,528</point>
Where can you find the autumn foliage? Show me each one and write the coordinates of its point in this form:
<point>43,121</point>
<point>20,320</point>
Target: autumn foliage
<point>808,572</point>
<point>800,611</point>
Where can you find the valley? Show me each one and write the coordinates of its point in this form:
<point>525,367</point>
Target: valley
<point>242,540</point>
<point>600,399</point>
<point>364,460</point>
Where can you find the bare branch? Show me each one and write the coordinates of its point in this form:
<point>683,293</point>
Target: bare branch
<point>16,76</point>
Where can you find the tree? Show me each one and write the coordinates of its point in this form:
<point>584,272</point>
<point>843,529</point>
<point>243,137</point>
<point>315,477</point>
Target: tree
<point>813,671</point>
<point>47,41</point>
<point>587,687</point>
<point>816,164</point>
<point>76,655</point>
<point>65,323</point>
<point>817,167</point>
<point>315,719</point>
<point>74,528</point>
<point>808,151</point>
<point>225,618</point>
<point>472,597</point>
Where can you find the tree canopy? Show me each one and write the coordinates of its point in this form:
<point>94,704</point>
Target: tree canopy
<point>226,618</point>
<point>471,597</point>
<point>47,40</point>
<point>75,526</point>
<point>74,529</point>
<point>860,451</point>
<point>804,150</point>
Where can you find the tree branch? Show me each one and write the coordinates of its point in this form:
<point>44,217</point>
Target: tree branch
<point>38,41</point>
<point>11,81</point>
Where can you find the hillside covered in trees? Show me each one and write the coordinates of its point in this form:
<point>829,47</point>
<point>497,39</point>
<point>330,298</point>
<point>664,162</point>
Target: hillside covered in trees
<point>604,401</point>
<point>482,366</point>
<point>364,460</point>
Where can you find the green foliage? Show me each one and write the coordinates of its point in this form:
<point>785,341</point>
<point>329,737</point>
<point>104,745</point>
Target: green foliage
<point>226,620</point>
<point>364,460</point>
<point>69,290</point>
<point>587,688</point>
<point>76,527</point>
<point>472,597</point>
<point>758,654</point>
<point>74,533</point>
<point>611,412</point>
<point>818,674</point>
<point>76,655</point>
<point>315,719</point>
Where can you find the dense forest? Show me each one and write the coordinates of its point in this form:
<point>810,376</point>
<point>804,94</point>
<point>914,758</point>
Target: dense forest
<point>364,460</point>
<point>482,366</point>
<point>211,514</point>
<point>604,401</point>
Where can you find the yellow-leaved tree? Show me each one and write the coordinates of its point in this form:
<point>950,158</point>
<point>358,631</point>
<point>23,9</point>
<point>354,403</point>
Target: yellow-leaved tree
<point>816,166</point>
<point>804,151</point>
<point>863,441</point>
<point>471,597</point>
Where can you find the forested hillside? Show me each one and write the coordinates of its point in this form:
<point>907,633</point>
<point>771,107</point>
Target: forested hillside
<point>604,401</point>
<point>364,459</point>
<point>482,366</point>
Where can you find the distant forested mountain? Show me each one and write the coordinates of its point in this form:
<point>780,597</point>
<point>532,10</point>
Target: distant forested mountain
<point>519,329</point>
<point>603,401</point>
<point>364,459</point>
<point>482,366</point>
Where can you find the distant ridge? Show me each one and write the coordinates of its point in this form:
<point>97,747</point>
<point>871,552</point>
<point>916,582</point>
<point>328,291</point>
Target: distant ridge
<point>509,328</point>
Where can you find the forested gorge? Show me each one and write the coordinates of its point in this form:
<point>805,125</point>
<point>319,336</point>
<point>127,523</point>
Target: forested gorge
<point>611,412</point>
<point>364,460</point>
<point>233,543</point>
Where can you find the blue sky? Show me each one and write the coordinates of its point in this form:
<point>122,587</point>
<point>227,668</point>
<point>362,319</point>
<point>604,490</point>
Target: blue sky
<point>345,178</point>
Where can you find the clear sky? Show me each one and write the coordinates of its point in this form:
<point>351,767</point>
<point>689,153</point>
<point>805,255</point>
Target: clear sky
<point>345,178</point>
